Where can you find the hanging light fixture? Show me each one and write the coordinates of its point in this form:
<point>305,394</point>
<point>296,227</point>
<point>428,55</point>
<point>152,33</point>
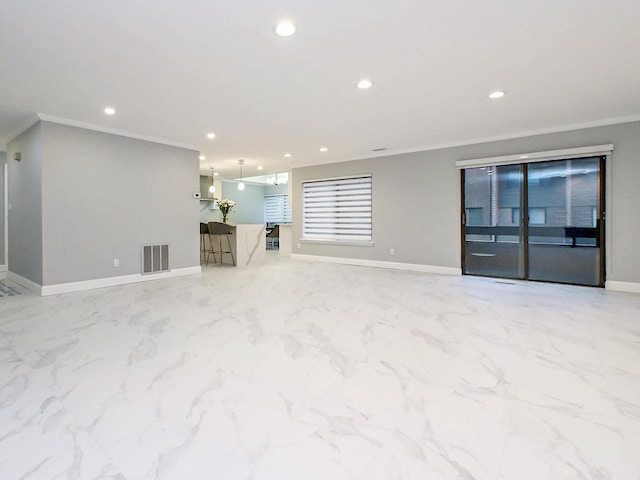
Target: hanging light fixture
<point>212,188</point>
<point>241,184</point>
<point>277,181</point>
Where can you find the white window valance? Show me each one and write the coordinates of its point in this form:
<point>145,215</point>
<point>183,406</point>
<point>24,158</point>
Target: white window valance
<point>593,151</point>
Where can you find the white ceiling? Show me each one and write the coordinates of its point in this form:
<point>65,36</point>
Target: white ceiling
<point>177,70</point>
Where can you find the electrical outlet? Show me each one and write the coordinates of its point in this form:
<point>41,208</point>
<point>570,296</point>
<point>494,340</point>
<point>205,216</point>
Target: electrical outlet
<point>392,251</point>
<point>116,262</point>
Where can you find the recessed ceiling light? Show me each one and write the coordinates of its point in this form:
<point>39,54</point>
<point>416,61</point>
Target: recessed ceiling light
<point>215,174</point>
<point>284,28</point>
<point>287,155</point>
<point>110,110</point>
<point>202,157</point>
<point>259,167</point>
<point>496,94</point>
<point>211,135</point>
<point>364,84</point>
<point>323,149</point>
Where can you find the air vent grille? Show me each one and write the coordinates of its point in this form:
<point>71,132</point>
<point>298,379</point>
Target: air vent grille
<point>155,258</point>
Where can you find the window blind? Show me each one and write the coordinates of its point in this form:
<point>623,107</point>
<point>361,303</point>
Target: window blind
<point>337,209</point>
<point>277,209</point>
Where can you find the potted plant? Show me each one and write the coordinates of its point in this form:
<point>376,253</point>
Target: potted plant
<point>225,207</point>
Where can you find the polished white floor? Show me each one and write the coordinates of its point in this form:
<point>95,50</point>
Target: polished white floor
<point>303,371</point>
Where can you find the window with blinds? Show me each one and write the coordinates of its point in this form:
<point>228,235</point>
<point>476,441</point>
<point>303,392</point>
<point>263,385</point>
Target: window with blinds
<point>337,209</point>
<point>277,209</point>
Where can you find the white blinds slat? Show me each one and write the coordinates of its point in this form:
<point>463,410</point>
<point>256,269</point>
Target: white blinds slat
<point>277,209</point>
<point>337,209</point>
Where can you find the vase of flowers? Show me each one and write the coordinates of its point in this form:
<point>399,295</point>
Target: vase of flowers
<point>225,207</point>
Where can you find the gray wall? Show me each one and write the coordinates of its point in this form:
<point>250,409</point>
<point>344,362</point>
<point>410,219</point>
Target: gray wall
<point>25,198</point>
<point>3,161</point>
<point>81,199</point>
<point>409,214</point>
<point>249,203</point>
<point>416,199</point>
<point>103,196</point>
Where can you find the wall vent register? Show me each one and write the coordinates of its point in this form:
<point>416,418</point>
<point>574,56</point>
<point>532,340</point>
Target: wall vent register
<point>155,258</point>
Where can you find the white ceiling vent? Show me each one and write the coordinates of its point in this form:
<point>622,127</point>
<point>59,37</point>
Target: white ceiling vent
<point>155,258</point>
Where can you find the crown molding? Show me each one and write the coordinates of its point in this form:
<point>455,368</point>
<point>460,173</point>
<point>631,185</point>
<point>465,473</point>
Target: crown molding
<point>510,136</point>
<point>112,131</point>
<point>533,157</point>
<point>21,129</point>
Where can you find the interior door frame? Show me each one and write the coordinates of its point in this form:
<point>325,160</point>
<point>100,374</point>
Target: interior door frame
<point>5,213</point>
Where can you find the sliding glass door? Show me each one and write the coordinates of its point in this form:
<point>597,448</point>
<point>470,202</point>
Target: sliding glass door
<point>560,239</point>
<point>564,235</point>
<point>494,235</point>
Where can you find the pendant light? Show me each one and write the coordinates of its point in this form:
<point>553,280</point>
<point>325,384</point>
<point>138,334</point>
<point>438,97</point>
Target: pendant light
<point>212,188</point>
<point>241,184</point>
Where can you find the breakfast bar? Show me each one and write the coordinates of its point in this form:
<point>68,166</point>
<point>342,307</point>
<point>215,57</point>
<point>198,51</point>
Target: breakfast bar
<point>247,242</point>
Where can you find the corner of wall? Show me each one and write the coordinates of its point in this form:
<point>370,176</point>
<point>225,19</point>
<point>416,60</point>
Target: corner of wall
<point>25,282</point>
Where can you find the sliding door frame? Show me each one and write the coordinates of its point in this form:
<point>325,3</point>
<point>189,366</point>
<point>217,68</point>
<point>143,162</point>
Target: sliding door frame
<point>602,219</point>
<point>601,222</point>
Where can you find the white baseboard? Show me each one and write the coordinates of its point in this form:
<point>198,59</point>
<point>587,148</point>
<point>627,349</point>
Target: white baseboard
<point>413,267</point>
<point>630,287</point>
<point>25,282</point>
<point>98,282</point>
<point>113,281</point>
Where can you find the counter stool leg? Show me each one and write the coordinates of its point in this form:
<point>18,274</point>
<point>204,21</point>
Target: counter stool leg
<point>211,251</point>
<point>233,260</point>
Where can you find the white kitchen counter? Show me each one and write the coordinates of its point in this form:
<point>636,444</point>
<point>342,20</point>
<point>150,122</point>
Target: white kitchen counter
<point>248,245</point>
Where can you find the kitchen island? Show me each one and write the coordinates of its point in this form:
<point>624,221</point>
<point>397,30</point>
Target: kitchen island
<point>248,245</point>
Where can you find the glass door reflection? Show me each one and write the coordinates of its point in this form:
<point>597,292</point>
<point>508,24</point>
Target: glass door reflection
<point>493,230</point>
<point>536,221</point>
<point>564,221</point>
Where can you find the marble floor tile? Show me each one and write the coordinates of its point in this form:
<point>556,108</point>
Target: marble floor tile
<point>297,370</point>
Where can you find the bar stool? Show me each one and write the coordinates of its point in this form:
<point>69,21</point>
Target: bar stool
<point>221,230</point>
<point>204,232</point>
<point>274,236</point>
